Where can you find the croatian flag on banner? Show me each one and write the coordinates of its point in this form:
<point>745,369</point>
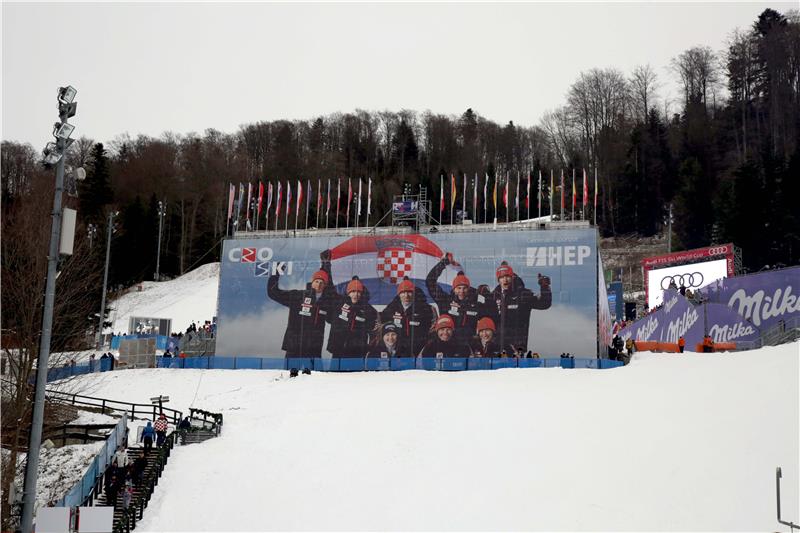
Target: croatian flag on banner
<point>382,262</point>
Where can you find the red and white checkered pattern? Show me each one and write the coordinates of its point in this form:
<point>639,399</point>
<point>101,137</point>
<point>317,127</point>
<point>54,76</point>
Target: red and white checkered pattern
<point>394,264</point>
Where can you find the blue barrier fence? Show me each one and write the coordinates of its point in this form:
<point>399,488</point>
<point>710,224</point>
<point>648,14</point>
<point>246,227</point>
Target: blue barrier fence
<point>162,341</point>
<point>359,364</point>
<point>83,488</point>
<point>63,372</point>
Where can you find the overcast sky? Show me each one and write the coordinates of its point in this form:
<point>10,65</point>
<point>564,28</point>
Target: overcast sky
<point>151,68</point>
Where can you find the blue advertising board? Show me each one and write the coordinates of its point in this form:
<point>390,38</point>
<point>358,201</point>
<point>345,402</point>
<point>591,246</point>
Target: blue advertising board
<point>340,296</point>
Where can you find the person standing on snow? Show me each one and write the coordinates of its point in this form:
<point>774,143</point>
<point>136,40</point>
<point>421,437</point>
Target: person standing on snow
<point>352,319</point>
<point>161,427</point>
<point>465,304</point>
<point>305,330</point>
<point>514,306</point>
<point>410,312</point>
<point>148,433</point>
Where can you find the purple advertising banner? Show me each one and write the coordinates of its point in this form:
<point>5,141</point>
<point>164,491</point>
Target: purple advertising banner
<point>765,299</point>
<point>680,317</point>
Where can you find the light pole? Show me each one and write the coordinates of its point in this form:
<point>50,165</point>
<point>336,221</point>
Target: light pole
<point>54,153</point>
<point>162,209</point>
<point>109,231</point>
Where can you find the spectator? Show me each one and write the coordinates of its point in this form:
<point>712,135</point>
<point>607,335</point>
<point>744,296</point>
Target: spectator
<point>618,345</point>
<point>161,427</point>
<point>127,493</point>
<point>121,458</point>
<point>91,361</point>
<point>147,437</point>
<point>681,343</point>
<point>708,344</point>
<point>111,486</point>
<point>139,465</point>
<point>167,354</point>
<point>529,355</point>
<point>629,347</point>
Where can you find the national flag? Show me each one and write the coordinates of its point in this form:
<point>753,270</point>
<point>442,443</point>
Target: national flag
<point>516,200</point>
<point>269,196</point>
<point>249,199</point>
<point>539,194</point>
<point>494,196</point>
<point>475,199</point>
<point>288,197</point>
<point>278,202</point>
<point>319,195</point>
<point>505,194</point>
<point>299,199</point>
<point>231,197</point>
<point>338,196</point>
<point>260,198</point>
<point>239,202</point>
<point>349,198</point>
<point>381,264</point>
<point>595,190</point>
<point>358,211</point>
<point>574,193</point>
<point>485,196</point>
<point>328,208</point>
<point>562,191</point>
<point>452,191</point>
<point>552,193</point>
<point>585,189</point>
<point>464,198</point>
<point>369,199</point>
<point>441,197</point>
<point>528,194</point>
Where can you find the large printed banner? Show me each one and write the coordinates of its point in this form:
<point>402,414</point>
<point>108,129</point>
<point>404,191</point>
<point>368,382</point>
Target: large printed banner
<point>765,298</point>
<point>445,295</point>
<point>680,317</point>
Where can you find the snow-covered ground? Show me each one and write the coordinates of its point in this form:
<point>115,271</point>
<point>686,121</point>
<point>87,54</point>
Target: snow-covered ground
<point>191,297</point>
<point>670,442</point>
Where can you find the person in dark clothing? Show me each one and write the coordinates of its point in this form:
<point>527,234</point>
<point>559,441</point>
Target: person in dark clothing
<point>411,313</point>
<point>137,469</point>
<point>514,306</point>
<point>148,434</point>
<point>485,345</point>
<point>305,330</point>
<point>352,319</point>
<point>444,344</point>
<point>465,304</point>
<point>390,343</point>
<point>618,344</point>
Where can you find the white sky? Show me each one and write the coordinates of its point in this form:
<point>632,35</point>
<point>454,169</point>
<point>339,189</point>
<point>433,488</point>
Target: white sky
<point>150,68</point>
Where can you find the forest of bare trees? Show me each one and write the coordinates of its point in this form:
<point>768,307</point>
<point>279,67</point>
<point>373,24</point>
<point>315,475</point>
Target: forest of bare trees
<point>725,157</point>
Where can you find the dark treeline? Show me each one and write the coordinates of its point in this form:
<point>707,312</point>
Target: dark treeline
<point>726,159</point>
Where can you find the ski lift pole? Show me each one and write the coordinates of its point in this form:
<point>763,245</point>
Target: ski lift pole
<point>778,477</point>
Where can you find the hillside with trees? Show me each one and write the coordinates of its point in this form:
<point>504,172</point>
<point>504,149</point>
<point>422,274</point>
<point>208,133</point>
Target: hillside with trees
<point>724,157</point>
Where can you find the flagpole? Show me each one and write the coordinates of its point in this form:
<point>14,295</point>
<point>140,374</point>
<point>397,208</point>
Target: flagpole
<point>561,217</point>
<point>505,197</point>
<point>338,196</point>
<point>552,192</point>
<point>452,200</point>
<point>319,199</point>
<point>539,190</point>
<point>328,205</point>
<point>595,196</point>
<point>464,199</point>
<point>288,207</point>
<point>485,200</point>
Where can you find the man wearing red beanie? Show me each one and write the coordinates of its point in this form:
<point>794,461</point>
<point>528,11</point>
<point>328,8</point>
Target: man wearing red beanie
<point>410,312</point>
<point>465,304</point>
<point>485,345</point>
<point>352,319</point>
<point>514,305</point>
<point>305,330</point>
<point>444,344</point>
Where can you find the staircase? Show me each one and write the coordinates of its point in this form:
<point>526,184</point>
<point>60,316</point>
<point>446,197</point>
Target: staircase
<point>125,520</point>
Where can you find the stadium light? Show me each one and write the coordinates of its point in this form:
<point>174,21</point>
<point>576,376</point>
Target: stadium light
<point>66,94</point>
<point>63,130</point>
<point>53,154</point>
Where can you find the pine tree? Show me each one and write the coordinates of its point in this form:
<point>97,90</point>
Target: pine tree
<point>95,191</point>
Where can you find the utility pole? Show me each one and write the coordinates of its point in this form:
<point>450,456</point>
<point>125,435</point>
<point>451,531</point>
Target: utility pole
<point>62,131</point>
<point>162,209</point>
<point>99,341</point>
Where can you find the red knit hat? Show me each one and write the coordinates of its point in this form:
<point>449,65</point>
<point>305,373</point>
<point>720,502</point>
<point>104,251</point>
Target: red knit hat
<point>504,270</point>
<point>460,279</point>
<point>321,274</point>
<point>485,323</point>
<point>355,285</point>
<point>444,321</point>
<point>405,285</point>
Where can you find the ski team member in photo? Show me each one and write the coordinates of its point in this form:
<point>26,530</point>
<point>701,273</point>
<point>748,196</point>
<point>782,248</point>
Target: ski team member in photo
<point>514,306</point>
<point>410,312</point>
<point>465,304</point>
<point>485,344</point>
<point>389,343</point>
<point>305,330</point>
<point>352,319</point>
<point>443,343</point>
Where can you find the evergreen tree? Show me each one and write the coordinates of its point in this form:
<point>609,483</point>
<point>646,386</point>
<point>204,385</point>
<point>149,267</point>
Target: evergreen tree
<point>95,191</point>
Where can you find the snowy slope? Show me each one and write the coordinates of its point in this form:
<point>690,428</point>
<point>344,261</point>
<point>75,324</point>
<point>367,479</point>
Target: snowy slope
<point>191,297</point>
<point>670,442</point>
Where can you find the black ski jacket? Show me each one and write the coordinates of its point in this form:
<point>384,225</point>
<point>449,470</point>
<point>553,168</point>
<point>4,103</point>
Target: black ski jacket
<point>415,321</point>
<point>305,330</point>
<point>514,312</point>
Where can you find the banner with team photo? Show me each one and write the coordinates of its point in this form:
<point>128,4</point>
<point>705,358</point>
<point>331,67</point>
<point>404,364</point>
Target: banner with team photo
<point>340,296</point>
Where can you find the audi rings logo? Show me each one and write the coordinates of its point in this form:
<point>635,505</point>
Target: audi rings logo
<point>686,280</point>
<point>719,250</point>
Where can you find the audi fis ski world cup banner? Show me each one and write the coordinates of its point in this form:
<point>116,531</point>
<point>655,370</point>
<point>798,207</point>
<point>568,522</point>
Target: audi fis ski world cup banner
<point>435,295</point>
<point>692,269</point>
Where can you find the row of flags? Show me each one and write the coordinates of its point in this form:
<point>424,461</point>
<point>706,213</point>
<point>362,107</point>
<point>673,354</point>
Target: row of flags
<point>502,187</point>
<point>261,198</point>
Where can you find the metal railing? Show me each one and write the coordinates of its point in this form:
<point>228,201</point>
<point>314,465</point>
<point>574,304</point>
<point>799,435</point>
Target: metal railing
<point>87,488</point>
<point>134,410</point>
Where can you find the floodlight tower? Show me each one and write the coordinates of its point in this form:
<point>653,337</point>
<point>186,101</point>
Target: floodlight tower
<point>53,154</point>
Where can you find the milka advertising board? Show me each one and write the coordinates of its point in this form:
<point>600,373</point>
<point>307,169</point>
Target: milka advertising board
<point>692,276</point>
<point>266,306</point>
